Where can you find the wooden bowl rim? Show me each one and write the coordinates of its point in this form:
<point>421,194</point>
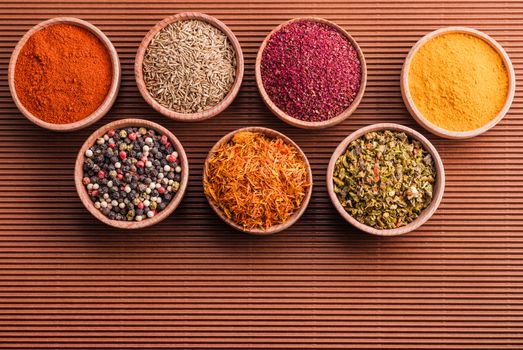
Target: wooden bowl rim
<point>425,215</point>
<point>208,113</point>
<point>111,95</point>
<point>301,123</point>
<point>275,228</point>
<point>88,203</point>
<point>415,112</point>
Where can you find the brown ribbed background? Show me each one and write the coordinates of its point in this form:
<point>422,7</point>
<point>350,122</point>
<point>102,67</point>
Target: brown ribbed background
<point>67,281</point>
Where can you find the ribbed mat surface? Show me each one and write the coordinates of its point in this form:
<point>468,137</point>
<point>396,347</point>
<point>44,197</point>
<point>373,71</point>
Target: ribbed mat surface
<point>67,281</point>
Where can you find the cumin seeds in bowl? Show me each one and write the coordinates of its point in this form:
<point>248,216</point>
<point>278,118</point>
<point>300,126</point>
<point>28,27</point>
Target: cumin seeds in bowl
<point>189,67</point>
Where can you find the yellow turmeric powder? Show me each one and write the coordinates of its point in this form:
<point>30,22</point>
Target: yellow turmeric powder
<point>458,81</point>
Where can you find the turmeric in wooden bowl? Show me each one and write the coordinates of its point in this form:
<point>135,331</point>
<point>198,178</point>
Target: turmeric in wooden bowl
<point>458,82</point>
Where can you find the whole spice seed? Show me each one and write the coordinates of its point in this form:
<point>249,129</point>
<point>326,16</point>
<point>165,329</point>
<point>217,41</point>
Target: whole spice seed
<point>189,66</point>
<point>256,181</point>
<point>310,71</point>
<point>131,174</point>
<point>63,74</point>
<point>458,81</point>
<point>384,179</point>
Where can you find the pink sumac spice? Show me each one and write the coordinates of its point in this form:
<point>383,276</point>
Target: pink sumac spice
<point>310,70</point>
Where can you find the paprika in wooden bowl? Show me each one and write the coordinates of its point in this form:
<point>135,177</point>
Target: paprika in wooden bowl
<point>311,73</point>
<point>64,74</point>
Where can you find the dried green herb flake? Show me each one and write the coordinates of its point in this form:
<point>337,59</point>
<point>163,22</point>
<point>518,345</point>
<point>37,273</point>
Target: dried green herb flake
<point>384,179</point>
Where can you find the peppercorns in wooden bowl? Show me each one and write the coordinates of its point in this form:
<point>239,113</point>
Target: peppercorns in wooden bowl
<point>131,173</point>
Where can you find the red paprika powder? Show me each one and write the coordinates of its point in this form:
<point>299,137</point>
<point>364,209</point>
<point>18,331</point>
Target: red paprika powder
<point>63,74</point>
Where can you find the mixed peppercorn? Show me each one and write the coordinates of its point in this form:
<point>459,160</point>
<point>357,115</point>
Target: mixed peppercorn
<point>131,173</point>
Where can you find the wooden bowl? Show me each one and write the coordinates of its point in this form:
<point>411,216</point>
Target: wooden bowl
<point>414,111</point>
<point>189,117</point>
<point>301,123</point>
<point>84,196</point>
<point>275,228</point>
<point>439,187</point>
<point>111,95</point>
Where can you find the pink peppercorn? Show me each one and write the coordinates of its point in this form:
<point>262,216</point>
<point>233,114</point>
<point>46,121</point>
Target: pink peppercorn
<point>140,164</point>
<point>310,70</point>
<point>140,205</point>
<point>164,140</point>
<point>123,155</point>
<point>86,180</point>
<point>110,133</point>
<point>101,174</point>
<point>161,190</point>
<point>132,136</point>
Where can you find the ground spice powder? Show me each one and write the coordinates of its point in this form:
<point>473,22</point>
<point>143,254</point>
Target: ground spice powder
<point>458,81</point>
<point>310,70</point>
<point>63,74</point>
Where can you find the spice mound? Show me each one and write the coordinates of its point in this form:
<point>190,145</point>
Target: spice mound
<point>63,74</point>
<point>384,179</point>
<point>189,66</point>
<point>132,173</point>
<point>458,82</point>
<point>257,181</point>
<point>310,71</point>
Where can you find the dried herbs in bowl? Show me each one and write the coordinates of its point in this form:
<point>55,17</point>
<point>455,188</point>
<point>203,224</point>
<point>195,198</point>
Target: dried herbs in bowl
<point>384,179</point>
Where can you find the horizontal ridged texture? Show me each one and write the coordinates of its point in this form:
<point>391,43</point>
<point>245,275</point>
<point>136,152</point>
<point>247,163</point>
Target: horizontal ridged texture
<point>67,281</point>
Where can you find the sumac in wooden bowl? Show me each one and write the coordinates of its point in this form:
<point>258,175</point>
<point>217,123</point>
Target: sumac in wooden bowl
<point>120,124</point>
<point>170,112</point>
<point>270,134</point>
<point>341,73</point>
<point>438,186</point>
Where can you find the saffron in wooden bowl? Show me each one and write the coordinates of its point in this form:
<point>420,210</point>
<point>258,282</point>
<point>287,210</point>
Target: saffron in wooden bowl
<point>257,180</point>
